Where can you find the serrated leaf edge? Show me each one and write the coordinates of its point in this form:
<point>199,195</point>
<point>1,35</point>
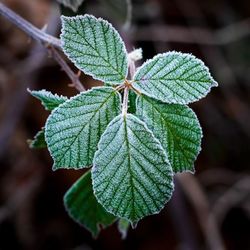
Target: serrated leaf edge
<point>167,160</point>
<point>65,18</point>
<point>54,168</point>
<point>200,129</point>
<point>33,93</point>
<point>214,83</point>
<point>72,216</point>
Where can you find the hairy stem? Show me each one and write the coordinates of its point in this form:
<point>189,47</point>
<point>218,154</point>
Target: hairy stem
<point>50,42</point>
<point>28,28</point>
<point>125,101</point>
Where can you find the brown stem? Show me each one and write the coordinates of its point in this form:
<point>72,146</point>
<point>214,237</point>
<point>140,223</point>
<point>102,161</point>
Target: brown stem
<point>65,67</point>
<point>50,42</point>
<point>28,28</point>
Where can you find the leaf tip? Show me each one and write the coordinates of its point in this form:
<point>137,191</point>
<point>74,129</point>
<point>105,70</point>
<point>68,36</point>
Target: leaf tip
<point>214,83</point>
<point>54,167</point>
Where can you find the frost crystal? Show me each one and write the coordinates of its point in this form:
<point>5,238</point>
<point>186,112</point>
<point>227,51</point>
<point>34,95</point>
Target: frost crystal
<point>95,47</point>
<point>177,128</point>
<point>131,175</point>
<point>73,130</point>
<point>174,77</point>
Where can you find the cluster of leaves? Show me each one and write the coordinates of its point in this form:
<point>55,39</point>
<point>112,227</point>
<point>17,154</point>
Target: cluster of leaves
<point>136,145</point>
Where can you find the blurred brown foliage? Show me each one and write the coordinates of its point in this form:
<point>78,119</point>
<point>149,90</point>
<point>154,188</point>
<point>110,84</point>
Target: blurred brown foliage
<point>210,210</point>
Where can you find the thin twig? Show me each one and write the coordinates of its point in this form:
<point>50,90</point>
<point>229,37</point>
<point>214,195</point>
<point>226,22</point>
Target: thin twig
<point>51,43</point>
<point>24,72</point>
<point>65,67</point>
<point>208,222</point>
<point>28,28</point>
<point>233,196</point>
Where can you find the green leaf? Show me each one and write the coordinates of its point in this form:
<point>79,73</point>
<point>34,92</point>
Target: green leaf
<point>132,102</point>
<point>38,141</point>
<point>123,227</point>
<point>95,47</point>
<point>49,101</point>
<point>72,4</point>
<point>174,78</point>
<point>132,177</point>
<point>83,207</point>
<point>177,128</point>
<point>73,130</point>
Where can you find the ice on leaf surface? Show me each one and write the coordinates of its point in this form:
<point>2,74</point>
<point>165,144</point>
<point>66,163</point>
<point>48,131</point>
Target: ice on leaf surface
<point>174,77</point>
<point>38,141</point>
<point>177,128</point>
<point>73,129</point>
<point>132,177</point>
<point>95,47</point>
<point>49,101</point>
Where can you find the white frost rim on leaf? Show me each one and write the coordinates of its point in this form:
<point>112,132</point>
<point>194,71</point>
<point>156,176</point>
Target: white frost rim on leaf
<point>171,53</point>
<point>201,133</point>
<point>60,106</point>
<point>99,19</point>
<point>171,173</point>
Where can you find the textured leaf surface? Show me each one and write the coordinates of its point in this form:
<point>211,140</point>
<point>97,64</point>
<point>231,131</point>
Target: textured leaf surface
<point>38,141</point>
<point>174,78</point>
<point>177,128</point>
<point>95,47</point>
<point>49,100</point>
<point>132,102</point>
<point>83,207</point>
<point>72,4</point>
<point>73,130</point>
<point>132,177</point>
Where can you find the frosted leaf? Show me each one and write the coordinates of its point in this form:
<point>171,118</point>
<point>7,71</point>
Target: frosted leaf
<point>174,78</point>
<point>73,130</point>
<point>132,102</point>
<point>95,47</point>
<point>83,207</point>
<point>49,100</point>
<point>38,141</point>
<point>72,4</point>
<point>131,176</point>
<point>177,128</point>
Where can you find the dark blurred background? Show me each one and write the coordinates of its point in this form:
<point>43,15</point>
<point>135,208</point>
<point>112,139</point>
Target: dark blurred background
<point>210,210</point>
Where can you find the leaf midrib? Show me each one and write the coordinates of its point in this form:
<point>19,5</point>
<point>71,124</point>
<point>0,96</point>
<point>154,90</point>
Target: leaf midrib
<point>116,70</point>
<point>170,129</point>
<point>129,166</point>
<point>68,148</point>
